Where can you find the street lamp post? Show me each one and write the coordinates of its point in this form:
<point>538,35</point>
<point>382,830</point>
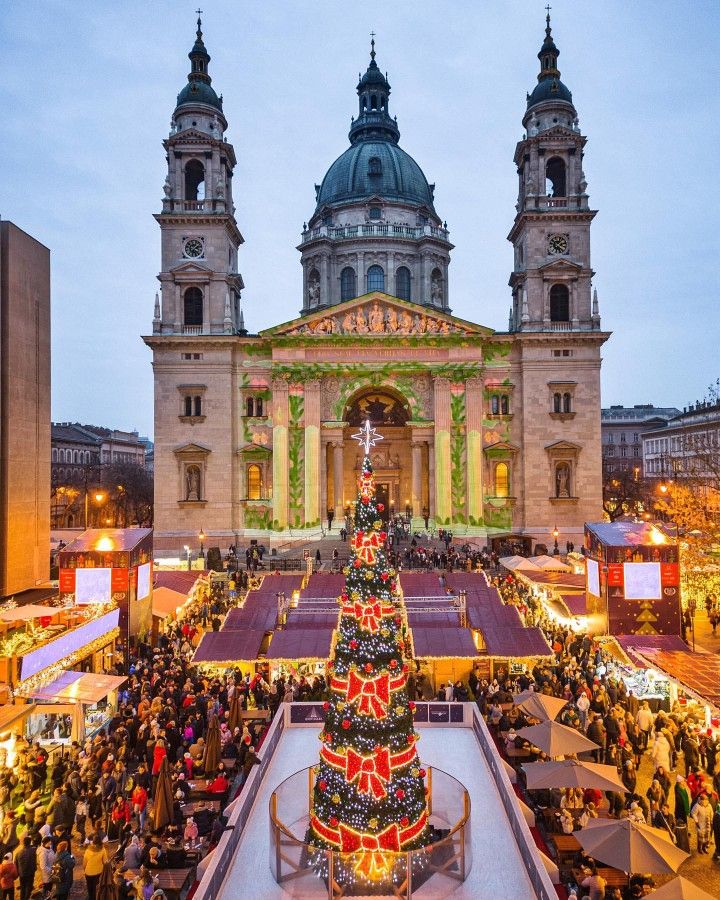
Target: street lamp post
<point>187,553</point>
<point>201,538</point>
<point>692,607</point>
<point>556,535</point>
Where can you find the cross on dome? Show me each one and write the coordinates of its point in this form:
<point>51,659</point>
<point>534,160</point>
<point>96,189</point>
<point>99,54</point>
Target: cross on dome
<point>367,437</point>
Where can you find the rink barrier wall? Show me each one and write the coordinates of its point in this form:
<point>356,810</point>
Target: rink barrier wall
<point>427,715</point>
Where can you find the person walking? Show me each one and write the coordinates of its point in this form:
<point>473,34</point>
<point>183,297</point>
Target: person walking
<point>45,860</point>
<point>65,863</point>
<point>93,862</point>
<point>8,877</point>
<point>26,862</point>
<point>702,814</point>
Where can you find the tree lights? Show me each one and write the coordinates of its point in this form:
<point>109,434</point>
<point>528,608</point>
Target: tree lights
<point>369,795</point>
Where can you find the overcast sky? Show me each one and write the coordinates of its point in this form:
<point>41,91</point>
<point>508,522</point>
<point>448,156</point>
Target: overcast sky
<point>88,88</point>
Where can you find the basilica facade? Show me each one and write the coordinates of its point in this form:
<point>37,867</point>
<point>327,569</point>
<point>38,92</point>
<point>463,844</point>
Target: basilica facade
<point>489,433</point>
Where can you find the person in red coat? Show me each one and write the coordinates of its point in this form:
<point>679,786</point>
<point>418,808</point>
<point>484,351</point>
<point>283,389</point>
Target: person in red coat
<point>159,753</point>
<point>219,784</point>
<point>139,802</point>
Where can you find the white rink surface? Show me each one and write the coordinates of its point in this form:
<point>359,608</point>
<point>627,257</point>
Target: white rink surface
<point>497,868</point>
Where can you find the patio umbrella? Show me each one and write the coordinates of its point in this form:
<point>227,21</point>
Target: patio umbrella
<point>106,887</point>
<point>235,718</point>
<point>569,773</point>
<point>163,799</point>
<point>681,889</point>
<point>211,759</point>
<point>556,739</point>
<point>540,706</point>
<point>631,846</point>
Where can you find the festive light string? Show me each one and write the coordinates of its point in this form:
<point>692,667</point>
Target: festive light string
<point>369,797</point>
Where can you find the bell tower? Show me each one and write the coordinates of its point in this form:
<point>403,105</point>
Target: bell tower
<point>199,280</point>
<point>551,278</point>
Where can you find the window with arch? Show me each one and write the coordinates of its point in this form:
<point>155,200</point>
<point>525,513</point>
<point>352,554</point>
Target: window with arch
<point>375,166</point>
<point>502,480</point>
<point>194,180</point>
<point>559,303</point>
<point>495,405</point>
<point>375,278</point>
<point>557,402</point>
<point>188,406</point>
<point>555,177</point>
<point>567,402</point>
<point>197,406</point>
<point>258,406</point>
<point>254,482</point>
<point>193,306</point>
<point>250,406</point>
<point>402,283</point>
<point>54,455</point>
<point>504,405</point>
<point>347,283</point>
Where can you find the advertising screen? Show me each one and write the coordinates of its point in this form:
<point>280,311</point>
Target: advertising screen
<point>92,585</point>
<point>593,577</point>
<point>143,581</point>
<point>642,581</point>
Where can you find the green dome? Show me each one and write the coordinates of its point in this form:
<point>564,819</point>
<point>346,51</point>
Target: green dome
<point>549,89</point>
<point>199,92</point>
<point>393,174</point>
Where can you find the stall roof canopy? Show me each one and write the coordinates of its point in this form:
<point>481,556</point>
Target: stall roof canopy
<point>182,582</point>
<point>82,687</point>
<point>31,611</point>
<point>166,602</point>
<point>633,644</point>
<point>519,562</point>
<point>625,534</point>
<point>698,672</point>
<point>576,603</point>
<point>301,643</point>
<point>255,617</point>
<point>554,579</point>
<point>114,539</point>
<point>437,643</point>
<point>229,647</point>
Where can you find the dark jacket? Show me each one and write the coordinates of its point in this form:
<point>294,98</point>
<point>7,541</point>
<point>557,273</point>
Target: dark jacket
<point>66,863</point>
<point>26,862</point>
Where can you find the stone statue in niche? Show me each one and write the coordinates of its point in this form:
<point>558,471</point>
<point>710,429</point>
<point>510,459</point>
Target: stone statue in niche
<point>562,480</point>
<point>167,187</point>
<point>314,289</point>
<point>192,483</point>
<point>436,292</point>
<point>220,188</point>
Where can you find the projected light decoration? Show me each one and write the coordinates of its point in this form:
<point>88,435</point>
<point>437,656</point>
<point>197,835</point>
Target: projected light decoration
<point>369,795</point>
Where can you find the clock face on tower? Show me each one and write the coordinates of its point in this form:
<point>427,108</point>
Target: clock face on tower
<point>193,247</point>
<point>557,244</point>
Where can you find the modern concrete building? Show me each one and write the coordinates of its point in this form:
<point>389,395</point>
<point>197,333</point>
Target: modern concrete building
<point>488,433</point>
<point>622,430</point>
<point>24,411</point>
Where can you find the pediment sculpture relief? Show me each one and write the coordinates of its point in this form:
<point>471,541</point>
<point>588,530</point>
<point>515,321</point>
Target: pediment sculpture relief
<point>373,318</point>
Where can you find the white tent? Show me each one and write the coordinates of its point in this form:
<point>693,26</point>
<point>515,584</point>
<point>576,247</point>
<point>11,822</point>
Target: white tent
<point>519,563</point>
<point>550,564</point>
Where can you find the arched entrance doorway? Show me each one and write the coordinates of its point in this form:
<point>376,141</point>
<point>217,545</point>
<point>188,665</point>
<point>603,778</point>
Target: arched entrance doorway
<point>400,463</point>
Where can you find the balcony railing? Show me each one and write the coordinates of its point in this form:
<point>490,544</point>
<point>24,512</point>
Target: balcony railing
<point>192,329</point>
<point>350,232</point>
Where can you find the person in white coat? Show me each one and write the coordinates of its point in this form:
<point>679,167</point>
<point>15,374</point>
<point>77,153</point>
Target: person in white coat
<point>661,752</point>
<point>45,859</point>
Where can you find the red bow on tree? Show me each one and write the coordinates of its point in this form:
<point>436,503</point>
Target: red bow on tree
<point>368,616</point>
<point>372,862</point>
<point>366,546</point>
<point>374,694</point>
<point>371,771</point>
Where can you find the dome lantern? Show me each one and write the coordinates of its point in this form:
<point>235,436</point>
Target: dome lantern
<point>199,87</point>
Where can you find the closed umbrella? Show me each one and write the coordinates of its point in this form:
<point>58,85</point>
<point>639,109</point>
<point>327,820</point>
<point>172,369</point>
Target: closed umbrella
<point>631,846</point>
<point>235,718</point>
<point>569,773</point>
<point>539,706</point>
<point>163,800</point>
<point>211,759</point>
<point>681,889</point>
<point>106,887</point>
<point>556,739</point>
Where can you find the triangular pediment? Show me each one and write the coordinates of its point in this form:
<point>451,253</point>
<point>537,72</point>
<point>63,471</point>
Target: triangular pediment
<point>191,449</point>
<point>563,445</point>
<point>190,268</point>
<point>376,315</point>
<point>560,266</point>
<point>502,446</point>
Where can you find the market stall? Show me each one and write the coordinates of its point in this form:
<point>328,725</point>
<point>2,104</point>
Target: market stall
<point>92,698</point>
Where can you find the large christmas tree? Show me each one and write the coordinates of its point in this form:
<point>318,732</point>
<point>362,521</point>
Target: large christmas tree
<point>369,789</point>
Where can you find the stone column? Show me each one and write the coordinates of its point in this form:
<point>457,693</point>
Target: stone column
<point>280,453</point>
<point>416,478</point>
<point>473,452</point>
<point>179,318</point>
<point>390,275</point>
<point>431,480</point>
<point>338,478</point>
<point>312,452</point>
<point>324,286</point>
<point>443,495</point>
<point>360,280</point>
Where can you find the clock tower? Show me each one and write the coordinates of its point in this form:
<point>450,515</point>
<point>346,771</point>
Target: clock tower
<point>199,280</point>
<point>551,279</point>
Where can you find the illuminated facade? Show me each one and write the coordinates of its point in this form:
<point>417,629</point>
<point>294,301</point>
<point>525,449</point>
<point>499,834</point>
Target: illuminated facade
<point>486,432</point>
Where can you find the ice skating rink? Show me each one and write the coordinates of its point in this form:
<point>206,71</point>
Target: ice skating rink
<point>497,868</point>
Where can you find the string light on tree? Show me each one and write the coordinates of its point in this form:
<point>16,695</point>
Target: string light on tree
<point>369,797</point>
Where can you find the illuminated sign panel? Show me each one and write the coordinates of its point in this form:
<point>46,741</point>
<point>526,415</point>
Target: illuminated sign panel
<point>67,643</point>
<point>593,577</point>
<point>642,581</point>
<point>143,581</point>
<point>93,586</point>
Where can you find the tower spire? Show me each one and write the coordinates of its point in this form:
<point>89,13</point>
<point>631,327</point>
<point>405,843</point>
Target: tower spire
<point>374,119</point>
<point>372,46</point>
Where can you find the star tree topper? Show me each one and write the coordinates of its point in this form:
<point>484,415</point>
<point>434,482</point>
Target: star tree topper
<point>367,437</point>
